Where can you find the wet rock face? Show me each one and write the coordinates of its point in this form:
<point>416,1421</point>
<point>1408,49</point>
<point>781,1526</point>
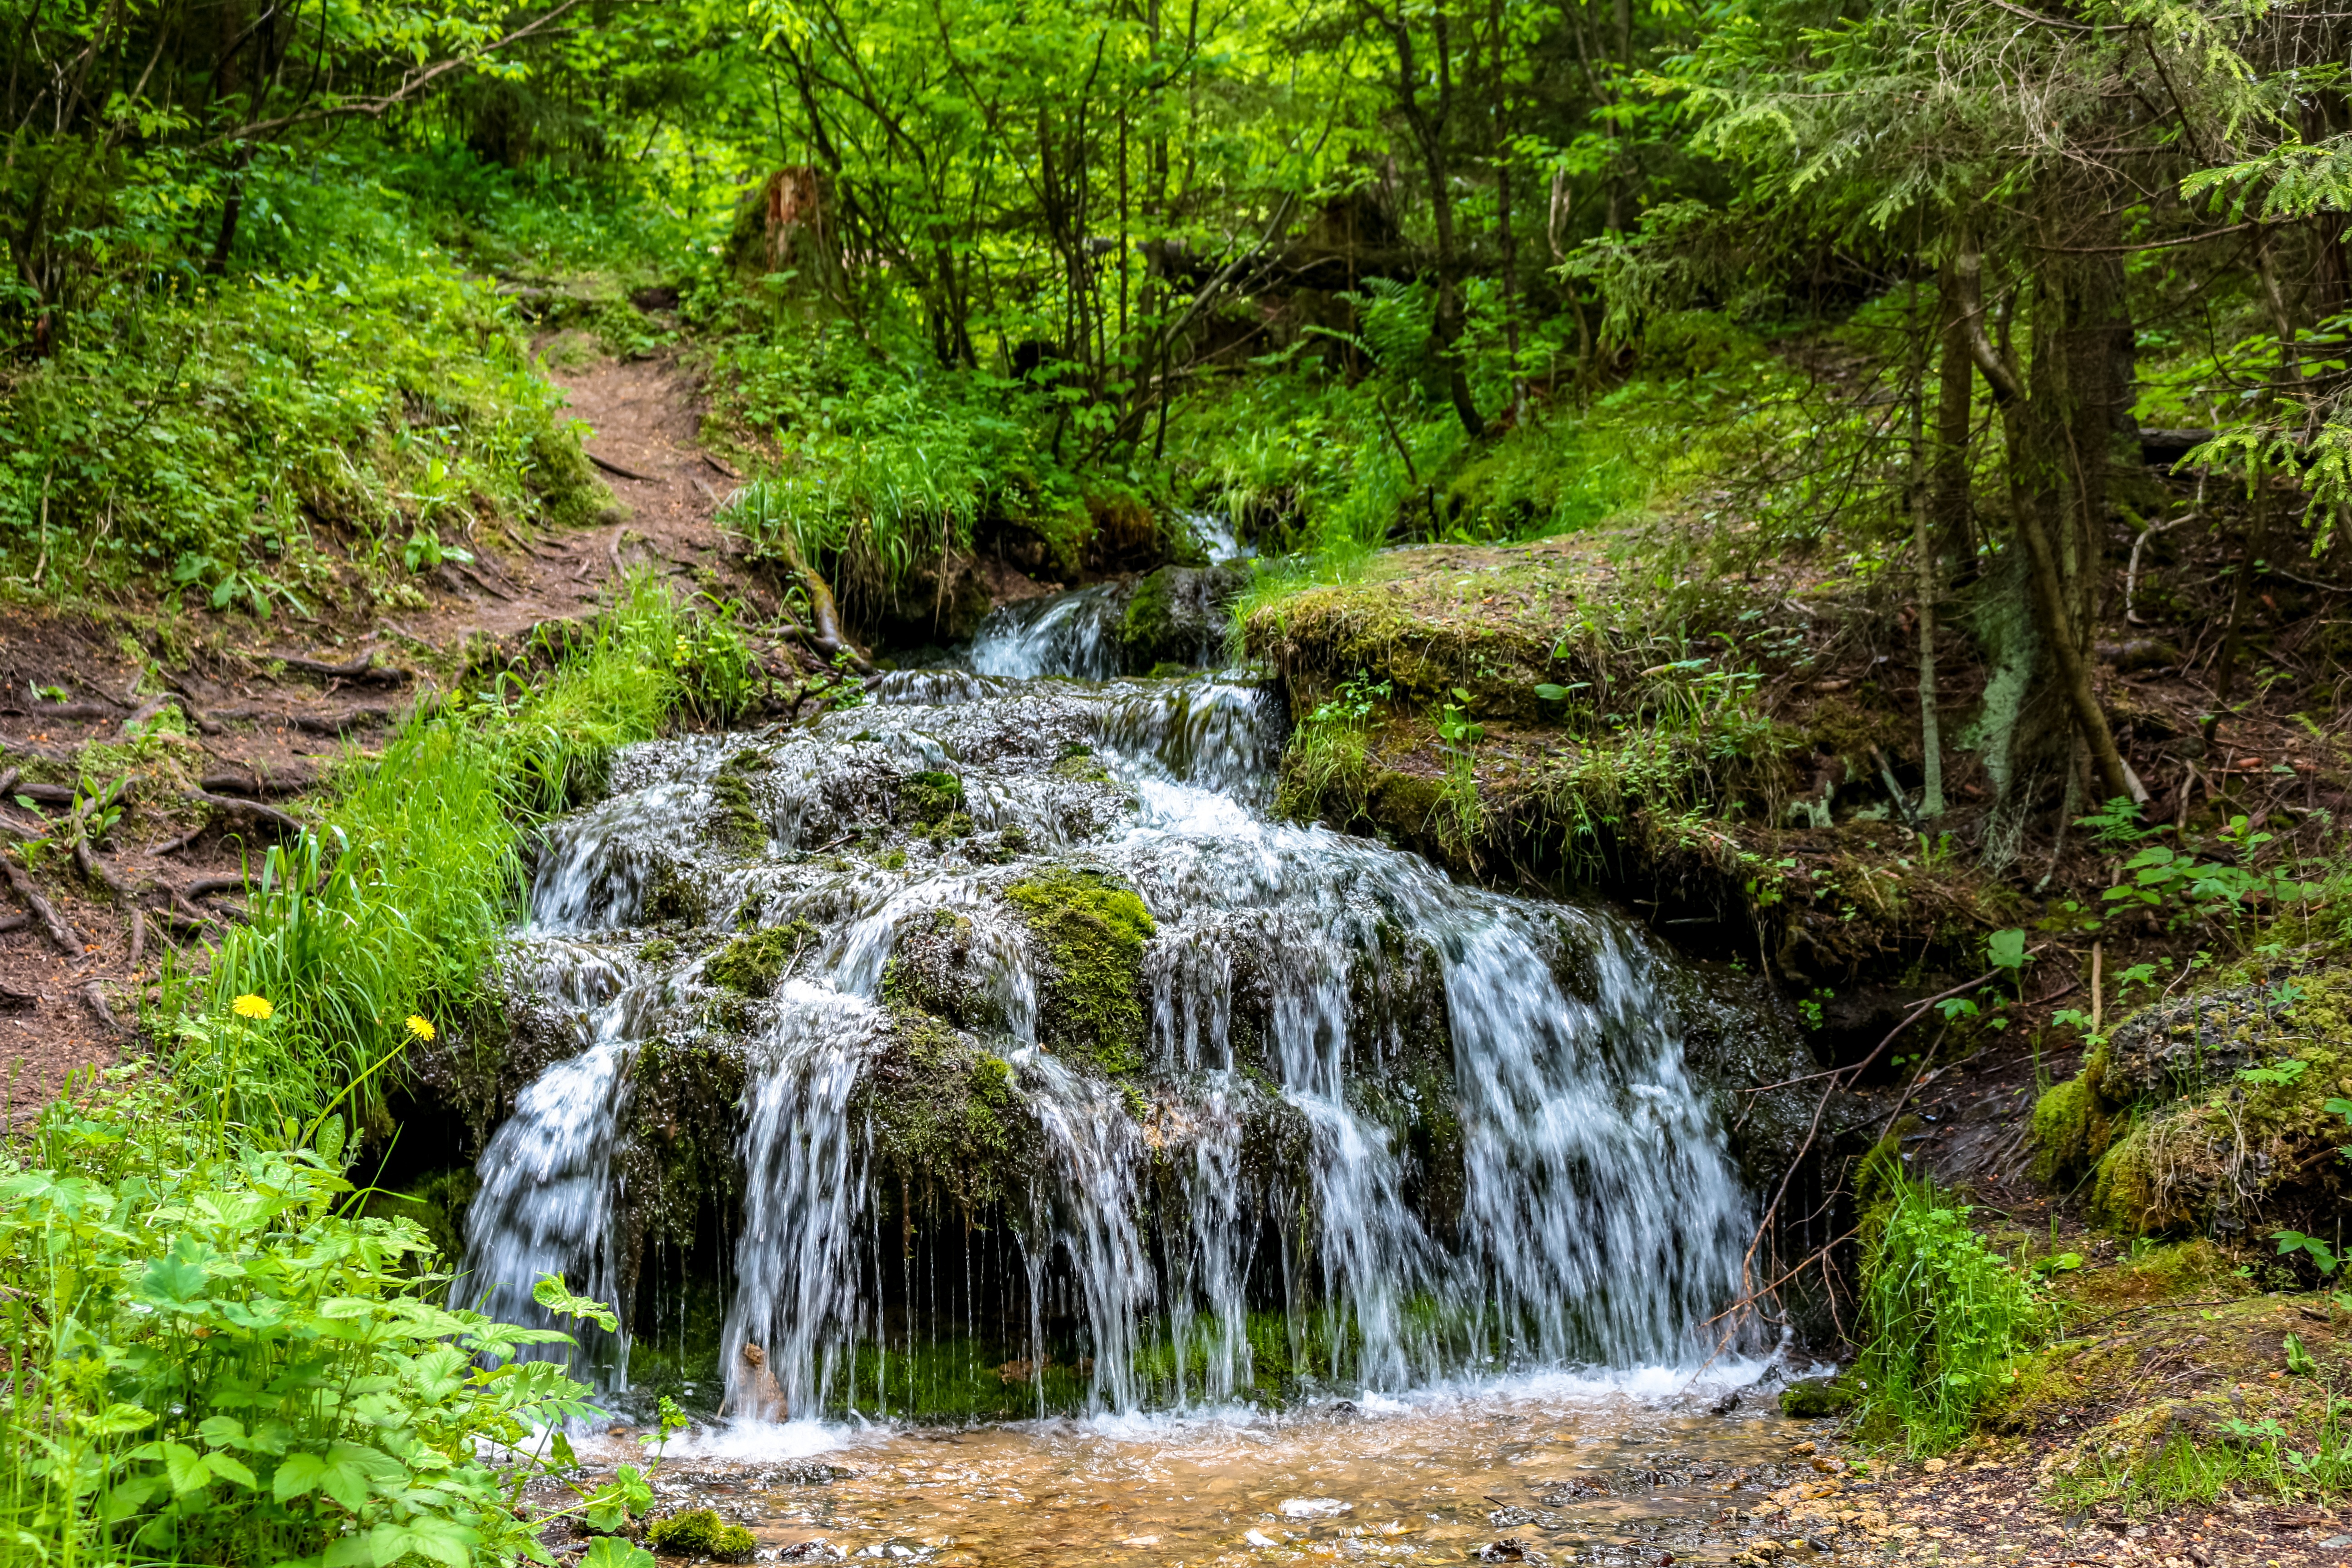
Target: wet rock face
<point>1013,989</point>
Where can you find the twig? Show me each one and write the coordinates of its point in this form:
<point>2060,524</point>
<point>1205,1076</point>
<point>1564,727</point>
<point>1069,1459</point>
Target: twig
<point>138,937</point>
<point>96,998</point>
<point>252,808</point>
<point>721,467</point>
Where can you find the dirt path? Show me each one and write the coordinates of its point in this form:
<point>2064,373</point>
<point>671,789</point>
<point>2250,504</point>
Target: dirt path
<point>266,732</point>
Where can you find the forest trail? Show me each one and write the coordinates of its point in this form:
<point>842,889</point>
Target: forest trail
<point>265,731</point>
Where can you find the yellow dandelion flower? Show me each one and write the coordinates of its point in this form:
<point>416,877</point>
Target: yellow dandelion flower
<point>251,1006</point>
<point>420,1028</point>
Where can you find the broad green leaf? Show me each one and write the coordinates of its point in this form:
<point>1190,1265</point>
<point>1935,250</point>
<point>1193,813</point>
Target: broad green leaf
<point>185,1467</point>
<point>611,1551</point>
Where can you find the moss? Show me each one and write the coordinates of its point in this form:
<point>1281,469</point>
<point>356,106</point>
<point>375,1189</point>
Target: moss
<point>698,1533</point>
<point>2073,1124</point>
<point>1092,929</point>
<point>1079,764</point>
<point>929,799</point>
<point>660,950</point>
<point>1815,1397</point>
<point>675,893</point>
<point>946,1125</point>
<point>750,965</point>
<point>735,821</point>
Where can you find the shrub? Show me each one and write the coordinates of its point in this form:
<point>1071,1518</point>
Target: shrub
<point>213,1358</point>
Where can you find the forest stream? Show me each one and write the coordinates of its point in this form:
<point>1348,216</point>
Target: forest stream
<point>1280,1189</point>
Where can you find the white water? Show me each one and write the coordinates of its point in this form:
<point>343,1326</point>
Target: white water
<point>1597,1217</point>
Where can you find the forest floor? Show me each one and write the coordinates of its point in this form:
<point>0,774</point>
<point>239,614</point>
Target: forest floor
<point>271,707</point>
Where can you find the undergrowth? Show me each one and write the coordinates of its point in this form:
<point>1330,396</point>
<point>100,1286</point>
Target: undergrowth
<point>1946,1319</point>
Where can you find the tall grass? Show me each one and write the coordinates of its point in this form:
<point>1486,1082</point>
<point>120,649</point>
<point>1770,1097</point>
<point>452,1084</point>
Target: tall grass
<point>1947,1320</point>
<point>391,907</point>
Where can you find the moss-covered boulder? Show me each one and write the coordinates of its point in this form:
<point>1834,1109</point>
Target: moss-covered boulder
<point>1177,617</point>
<point>937,968</point>
<point>948,1128</point>
<point>734,822</point>
<point>927,799</point>
<point>751,964</point>
<point>2257,1143</point>
<point>1817,1396</point>
<point>1089,929</point>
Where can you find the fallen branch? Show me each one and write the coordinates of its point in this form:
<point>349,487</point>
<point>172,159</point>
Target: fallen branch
<point>52,927</point>
<point>362,668</point>
<point>340,723</point>
<point>827,639</point>
<point>613,467</point>
<point>1764,1226</point>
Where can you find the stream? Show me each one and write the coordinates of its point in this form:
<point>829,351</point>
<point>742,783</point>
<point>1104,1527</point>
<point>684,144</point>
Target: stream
<point>1111,1165</point>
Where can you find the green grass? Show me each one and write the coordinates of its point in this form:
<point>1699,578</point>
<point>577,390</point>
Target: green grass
<point>311,429</point>
<point>390,909</point>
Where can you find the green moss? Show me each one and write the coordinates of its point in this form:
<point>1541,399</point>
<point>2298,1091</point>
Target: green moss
<point>660,950</point>
<point>1080,765</point>
<point>1092,929</point>
<point>929,799</point>
<point>2073,1126</point>
<point>946,1125</point>
<point>735,821</point>
<point>1816,1397</point>
<point>698,1533</point>
<point>753,964</point>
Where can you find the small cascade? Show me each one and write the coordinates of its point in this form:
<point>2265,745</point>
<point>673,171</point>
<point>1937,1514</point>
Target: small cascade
<point>1061,633</point>
<point>1069,1079</point>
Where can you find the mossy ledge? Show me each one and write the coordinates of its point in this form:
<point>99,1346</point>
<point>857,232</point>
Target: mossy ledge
<point>1090,929</point>
<point>753,963</point>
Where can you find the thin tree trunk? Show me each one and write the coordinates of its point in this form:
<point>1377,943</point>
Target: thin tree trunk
<point>1949,497</point>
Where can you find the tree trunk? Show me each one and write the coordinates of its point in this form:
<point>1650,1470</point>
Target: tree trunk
<point>1948,506</point>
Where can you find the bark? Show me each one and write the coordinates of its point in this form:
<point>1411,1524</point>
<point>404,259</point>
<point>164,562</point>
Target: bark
<point>2042,461</point>
<point>1949,509</point>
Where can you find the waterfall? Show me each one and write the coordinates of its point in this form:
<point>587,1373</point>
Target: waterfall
<point>1377,1128</point>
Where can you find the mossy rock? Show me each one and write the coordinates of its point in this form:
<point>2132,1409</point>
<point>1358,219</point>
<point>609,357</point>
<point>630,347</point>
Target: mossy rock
<point>699,1533</point>
<point>734,822</point>
<point>1815,1397</point>
<point>929,799</point>
<point>751,964</point>
<point>2073,1124</point>
<point>1176,616</point>
<point>935,969</point>
<point>1091,929</point>
<point>1079,764</point>
<point>946,1122</point>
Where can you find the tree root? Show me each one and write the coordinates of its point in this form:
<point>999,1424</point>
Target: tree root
<point>52,925</point>
<point>252,809</point>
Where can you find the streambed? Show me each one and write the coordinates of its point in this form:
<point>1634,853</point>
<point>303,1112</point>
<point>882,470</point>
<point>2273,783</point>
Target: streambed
<point>1554,1469</point>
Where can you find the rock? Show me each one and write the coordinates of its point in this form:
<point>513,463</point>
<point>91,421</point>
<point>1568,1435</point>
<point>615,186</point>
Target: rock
<point>1510,1549</point>
<point>1177,616</point>
<point>1315,1508</point>
<point>1815,1397</point>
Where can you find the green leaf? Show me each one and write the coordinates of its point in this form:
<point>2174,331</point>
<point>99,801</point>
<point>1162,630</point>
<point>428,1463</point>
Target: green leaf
<point>611,1551</point>
<point>185,1469</point>
<point>298,1475</point>
<point>115,1420</point>
<point>1549,692</point>
<point>553,1294</point>
<point>228,1467</point>
<point>2005,949</point>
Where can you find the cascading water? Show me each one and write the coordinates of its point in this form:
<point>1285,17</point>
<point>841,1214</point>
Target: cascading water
<point>1074,1077</point>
